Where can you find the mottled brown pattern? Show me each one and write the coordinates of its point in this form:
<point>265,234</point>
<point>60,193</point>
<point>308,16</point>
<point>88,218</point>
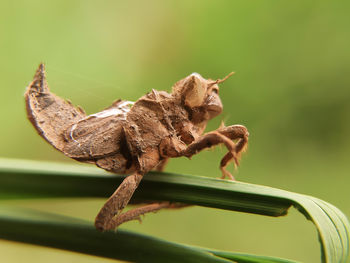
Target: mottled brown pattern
<point>135,138</point>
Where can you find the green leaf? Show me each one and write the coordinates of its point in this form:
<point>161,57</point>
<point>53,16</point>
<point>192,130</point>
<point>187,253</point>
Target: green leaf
<point>247,258</point>
<point>33,179</point>
<point>62,232</point>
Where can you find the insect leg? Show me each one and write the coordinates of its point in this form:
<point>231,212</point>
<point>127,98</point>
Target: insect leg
<point>223,135</point>
<point>233,132</point>
<point>135,214</point>
<point>208,140</point>
<point>116,203</point>
<point>224,162</point>
<point>236,132</point>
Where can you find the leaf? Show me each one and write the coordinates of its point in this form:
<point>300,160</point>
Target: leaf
<point>62,232</point>
<point>33,179</point>
<point>247,258</point>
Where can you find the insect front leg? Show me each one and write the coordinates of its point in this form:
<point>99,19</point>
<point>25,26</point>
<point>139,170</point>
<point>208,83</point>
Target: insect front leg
<point>211,139</point>
<point>233,132</point>
<point>223,135</point>
<point>236,132</point>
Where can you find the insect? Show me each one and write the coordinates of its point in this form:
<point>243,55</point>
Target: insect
<point>134,138</point>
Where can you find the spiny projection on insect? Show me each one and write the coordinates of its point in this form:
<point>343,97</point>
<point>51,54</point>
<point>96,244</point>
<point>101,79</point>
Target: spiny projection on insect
<point>134,138</point>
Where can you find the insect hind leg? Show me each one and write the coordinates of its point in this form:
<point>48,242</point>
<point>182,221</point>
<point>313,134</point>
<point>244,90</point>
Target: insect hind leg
<point>117,202</point>
<point>136,213</point>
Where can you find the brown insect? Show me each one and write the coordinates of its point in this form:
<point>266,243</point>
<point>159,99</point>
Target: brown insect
<point>134,138</point>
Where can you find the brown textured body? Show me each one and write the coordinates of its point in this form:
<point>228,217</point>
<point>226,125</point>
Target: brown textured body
<point>134,138</point>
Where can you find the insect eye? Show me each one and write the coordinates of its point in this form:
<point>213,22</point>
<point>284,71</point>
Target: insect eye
<point>216,91</point>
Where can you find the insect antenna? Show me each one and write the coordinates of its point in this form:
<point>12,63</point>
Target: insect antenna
<point>218,81</point>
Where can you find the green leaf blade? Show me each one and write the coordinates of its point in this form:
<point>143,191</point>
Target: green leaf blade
<point>78,181</point>
<point>45,229</point>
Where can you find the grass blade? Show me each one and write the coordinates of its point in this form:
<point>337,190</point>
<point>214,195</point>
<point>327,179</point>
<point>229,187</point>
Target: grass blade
<point>32,179</point>
<point>247,258</point>
<point>77,235</point>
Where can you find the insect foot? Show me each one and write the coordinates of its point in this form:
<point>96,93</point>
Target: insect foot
<point>134,138</point>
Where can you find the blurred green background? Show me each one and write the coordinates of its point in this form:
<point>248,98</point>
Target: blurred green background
<point>291,90</point>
